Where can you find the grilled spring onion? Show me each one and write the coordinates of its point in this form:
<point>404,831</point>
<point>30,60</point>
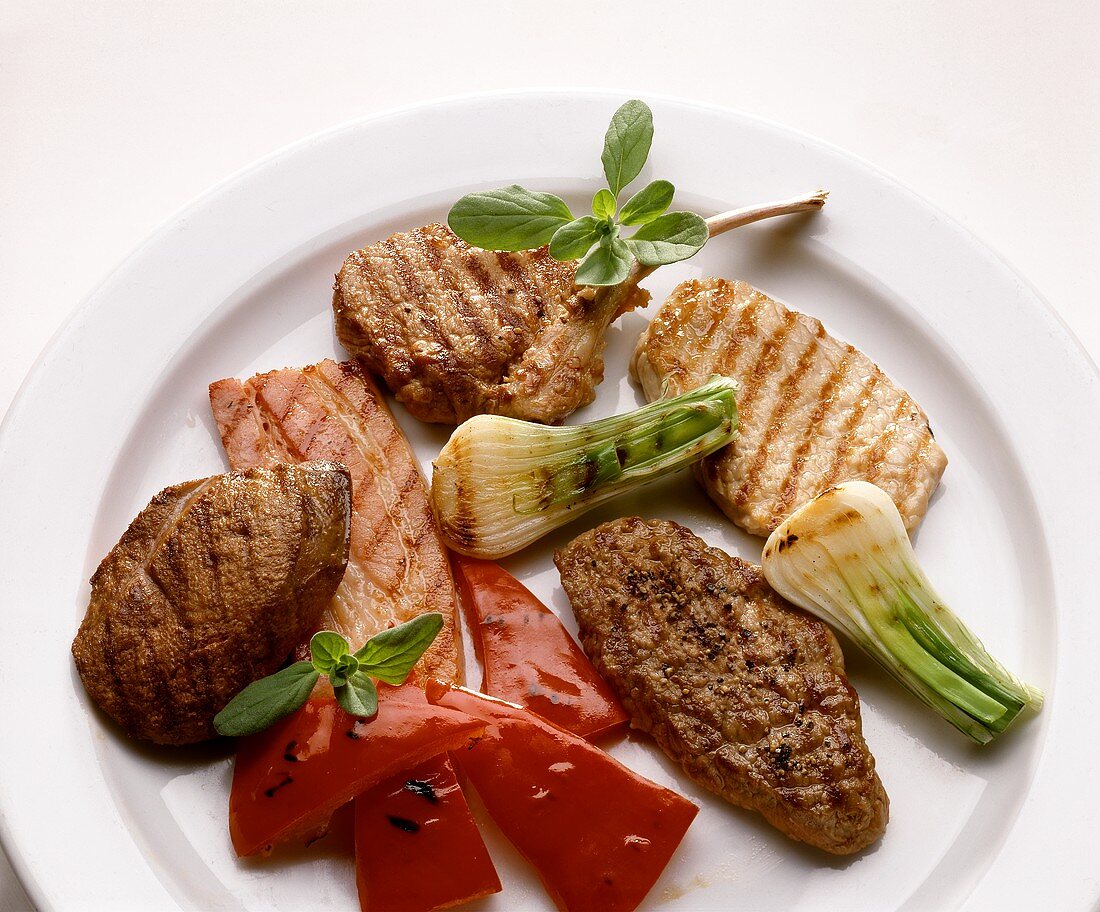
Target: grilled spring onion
<point>846,558</point>
<point>501,483</point>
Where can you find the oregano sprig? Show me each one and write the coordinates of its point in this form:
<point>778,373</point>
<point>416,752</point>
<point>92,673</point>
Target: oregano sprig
<point>388,656</point>
<point>514,218</point>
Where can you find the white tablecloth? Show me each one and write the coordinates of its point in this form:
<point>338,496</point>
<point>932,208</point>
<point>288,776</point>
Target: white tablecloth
<point>115,114</point>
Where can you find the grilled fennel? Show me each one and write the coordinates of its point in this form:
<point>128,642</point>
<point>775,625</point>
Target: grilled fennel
<point>845,557</point>
<point>501,483</point>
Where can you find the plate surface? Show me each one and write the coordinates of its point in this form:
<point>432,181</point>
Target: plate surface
<point>240,282</point>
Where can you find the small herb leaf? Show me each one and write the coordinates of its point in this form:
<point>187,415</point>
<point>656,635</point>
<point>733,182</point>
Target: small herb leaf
<point>326,647</point>
<point>267,700</point>
<point>574,239</point>
<point>510,218</point>
<point>648,203</point>
<point>626,144</point>
<point>607,264</point>
<point>668,238</point>
<point>391,654</point>
<point>603,204</point>
<point>358,696</point>
<point>344,668</point>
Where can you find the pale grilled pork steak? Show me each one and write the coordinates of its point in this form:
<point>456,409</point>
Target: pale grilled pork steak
<point>813,411</point>
<point>210,588</point>
<point>398,566</point>
<point>456,331</point>
<point>742,689</point>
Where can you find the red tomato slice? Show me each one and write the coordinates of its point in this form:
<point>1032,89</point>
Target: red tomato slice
<point>417,847</point>
<point>598,834</point>
<point>529,657</point>
<point>289,779</point>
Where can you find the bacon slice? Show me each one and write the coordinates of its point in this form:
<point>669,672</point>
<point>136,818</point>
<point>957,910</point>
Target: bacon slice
<point>398,566</point>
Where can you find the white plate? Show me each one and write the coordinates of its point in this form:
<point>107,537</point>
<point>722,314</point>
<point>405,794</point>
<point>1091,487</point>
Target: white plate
<point>240,282</point>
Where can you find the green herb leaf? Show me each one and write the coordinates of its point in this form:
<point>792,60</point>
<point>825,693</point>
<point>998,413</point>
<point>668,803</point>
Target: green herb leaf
<point>326,647</point>
<point>668,238</point>
<point>358,696</point>
<point>648,203</point>
<point>573,240</point>
<point>344,668</point>
<point>509,218</point>
<point>391,654</point>
<point>607,264</point>
<point>603,204</point>
<point>626,144</point>
<point>267,700</point>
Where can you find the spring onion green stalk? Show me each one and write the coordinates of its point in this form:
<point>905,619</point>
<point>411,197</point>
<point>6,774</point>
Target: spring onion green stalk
<point>501,483</point>
<point>845,557</point>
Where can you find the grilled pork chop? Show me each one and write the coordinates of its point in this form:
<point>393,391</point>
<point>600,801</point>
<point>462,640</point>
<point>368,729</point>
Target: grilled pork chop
<point>813,411</point>
<point>457,331</point>
<point>741,688</point>
<point>398,567</point>
<point>209,589</point>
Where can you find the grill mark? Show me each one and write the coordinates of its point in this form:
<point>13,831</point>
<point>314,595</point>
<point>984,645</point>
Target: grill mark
<point>504,307</point>
<point>918,462</point>
<point>277,429</point>
<point>827,398</point>
<point>764,365</point>
<point>395,321</point>
<point>873,465</point>
<point>855,417</point>
<point>394,523</point>
<point>511,267</point>
<point>789,389</point>
<point>467,314</point>
<point>445,363</point>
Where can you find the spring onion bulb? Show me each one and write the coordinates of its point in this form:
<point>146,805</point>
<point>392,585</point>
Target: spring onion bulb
<point>845,557</point>
<point>501,483</point>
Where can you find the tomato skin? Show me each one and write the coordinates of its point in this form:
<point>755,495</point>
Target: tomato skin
<point>289,779</point>
<point>529,657</point>
<point>417,848</point>
<point>598,834</point>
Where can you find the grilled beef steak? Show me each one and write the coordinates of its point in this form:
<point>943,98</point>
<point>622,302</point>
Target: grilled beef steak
<point>457,331</point>
<point>813,411</point>
<point>209,589</point>
<point>742,689</point>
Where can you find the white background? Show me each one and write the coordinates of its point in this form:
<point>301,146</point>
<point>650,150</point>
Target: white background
<point>113,116</point>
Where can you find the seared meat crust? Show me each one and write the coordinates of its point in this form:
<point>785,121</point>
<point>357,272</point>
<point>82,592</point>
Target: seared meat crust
<point>745,691</point>
<point>813,411</point>
<point>456,331</point>
<point>210,588</point>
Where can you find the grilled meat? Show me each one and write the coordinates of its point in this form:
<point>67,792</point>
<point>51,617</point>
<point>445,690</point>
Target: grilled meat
<point>209,589</point>
<point>813,411</point>
<point>742,689</point>
<point>457,331</point>
<point>398,566</point>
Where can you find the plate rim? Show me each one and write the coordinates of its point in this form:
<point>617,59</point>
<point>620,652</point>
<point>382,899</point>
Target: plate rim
<point>100,294</point>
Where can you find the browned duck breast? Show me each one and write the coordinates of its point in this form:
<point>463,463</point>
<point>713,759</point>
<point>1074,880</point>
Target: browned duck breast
<point>742,689</point>
<point>210,588</point>
<point>813,411</point>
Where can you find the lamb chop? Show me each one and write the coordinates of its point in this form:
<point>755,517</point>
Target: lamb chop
<point>456,331</point>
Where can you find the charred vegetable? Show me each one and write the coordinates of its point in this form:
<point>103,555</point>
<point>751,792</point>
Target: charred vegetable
<point>500,483</point>
<point>845,557</point>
